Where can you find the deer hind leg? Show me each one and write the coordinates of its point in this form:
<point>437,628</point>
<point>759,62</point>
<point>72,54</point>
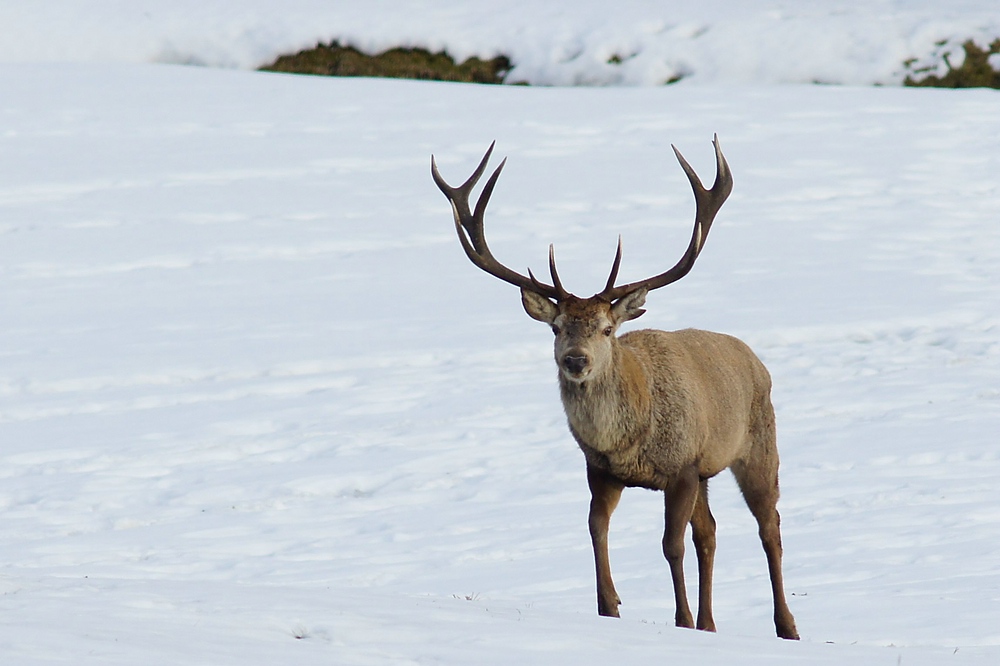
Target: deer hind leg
<point>703,532</point>
<point>605,491</point>
<point>679,503</point>
<point>758,479</point>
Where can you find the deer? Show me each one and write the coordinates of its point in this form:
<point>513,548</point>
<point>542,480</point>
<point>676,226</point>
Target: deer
<point>662,410</point>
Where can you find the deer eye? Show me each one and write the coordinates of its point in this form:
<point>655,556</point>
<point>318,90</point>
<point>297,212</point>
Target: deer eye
<point>608,331</point>
<point>555,330</point>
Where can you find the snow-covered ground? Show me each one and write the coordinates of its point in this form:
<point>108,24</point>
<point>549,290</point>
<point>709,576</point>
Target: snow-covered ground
<point>257,407</point>
<point>562,42</point>
<point>250,388</point>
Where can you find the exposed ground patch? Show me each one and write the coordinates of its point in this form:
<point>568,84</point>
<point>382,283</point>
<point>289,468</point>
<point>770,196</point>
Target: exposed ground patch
<point>335,59</point>
<point>979,69</point>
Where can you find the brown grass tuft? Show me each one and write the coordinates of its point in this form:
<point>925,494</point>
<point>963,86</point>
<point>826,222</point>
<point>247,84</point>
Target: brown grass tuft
<point>402,63</point>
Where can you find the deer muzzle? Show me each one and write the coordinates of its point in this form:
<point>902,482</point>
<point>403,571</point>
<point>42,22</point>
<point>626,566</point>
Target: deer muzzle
<point>575,364</point>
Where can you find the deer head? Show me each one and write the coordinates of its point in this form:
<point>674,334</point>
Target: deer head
<point>584,327</point>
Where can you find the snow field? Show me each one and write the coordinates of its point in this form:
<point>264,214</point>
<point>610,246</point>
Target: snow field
<point>256,405</point>
<point>640,43</point>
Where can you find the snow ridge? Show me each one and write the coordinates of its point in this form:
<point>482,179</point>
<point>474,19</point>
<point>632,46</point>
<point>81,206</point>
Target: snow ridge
<point>640,43</point>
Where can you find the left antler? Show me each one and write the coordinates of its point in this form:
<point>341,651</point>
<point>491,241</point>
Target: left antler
<point>469,226</point>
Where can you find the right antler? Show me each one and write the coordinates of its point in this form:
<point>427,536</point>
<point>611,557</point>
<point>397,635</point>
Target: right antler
<point>474,244</point>
<point>708,204</point>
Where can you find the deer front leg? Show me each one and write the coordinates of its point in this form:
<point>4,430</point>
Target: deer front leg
<point>679,500</point>
<point>605,491</point>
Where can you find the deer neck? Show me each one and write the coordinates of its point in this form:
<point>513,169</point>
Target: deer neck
<point>606,410</point>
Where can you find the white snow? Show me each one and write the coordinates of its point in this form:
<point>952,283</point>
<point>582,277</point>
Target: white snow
<point>550,43</point>
<point>257,407</point>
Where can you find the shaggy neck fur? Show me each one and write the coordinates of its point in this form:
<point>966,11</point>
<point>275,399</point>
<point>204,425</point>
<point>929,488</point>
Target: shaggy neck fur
<point>606,410</point>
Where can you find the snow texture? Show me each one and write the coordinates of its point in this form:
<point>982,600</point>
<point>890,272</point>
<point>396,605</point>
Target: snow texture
<point>256,406</point>
<point>579,42</point>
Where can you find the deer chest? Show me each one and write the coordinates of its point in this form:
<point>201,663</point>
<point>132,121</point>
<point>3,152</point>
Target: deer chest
<point>630,466</point>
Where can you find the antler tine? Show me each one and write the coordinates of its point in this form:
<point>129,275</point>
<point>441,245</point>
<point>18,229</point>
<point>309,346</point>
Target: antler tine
<point>708,204</point>
<point>459,196</point>
<point>557,283</point>
<point>555,274</point>
<point>471,234</point>
<point>614,268</point>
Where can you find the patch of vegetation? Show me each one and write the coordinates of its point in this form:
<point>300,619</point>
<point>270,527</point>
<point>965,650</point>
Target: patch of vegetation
<point>335,59</point>
<point>974,72</point>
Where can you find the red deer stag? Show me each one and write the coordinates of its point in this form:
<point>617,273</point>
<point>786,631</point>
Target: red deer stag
<point>654,409</point>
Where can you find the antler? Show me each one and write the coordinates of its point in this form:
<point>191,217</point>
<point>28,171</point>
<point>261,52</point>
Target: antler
<point>469,226</point>
<point>708,204</point>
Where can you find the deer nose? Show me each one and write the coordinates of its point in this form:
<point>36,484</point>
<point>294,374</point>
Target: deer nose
<point>575,364</point>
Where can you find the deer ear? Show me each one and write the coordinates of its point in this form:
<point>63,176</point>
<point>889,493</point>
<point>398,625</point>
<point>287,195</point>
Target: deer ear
<point>538,307</point>
<point>629,306</point>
